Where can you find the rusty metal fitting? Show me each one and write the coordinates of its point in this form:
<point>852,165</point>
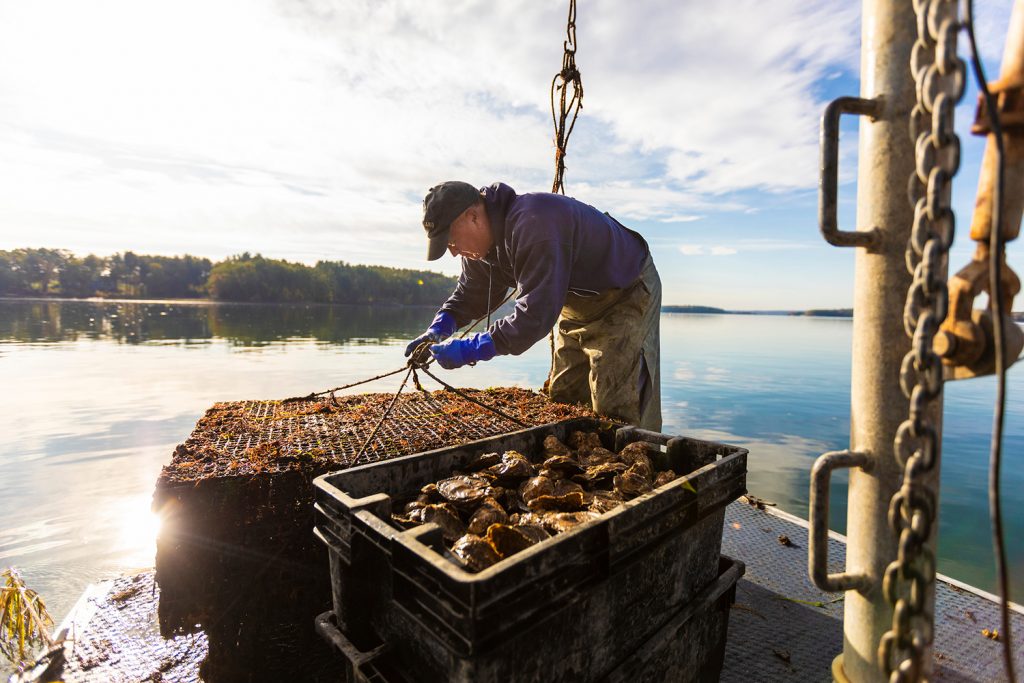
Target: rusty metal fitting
<point>1010,104</point>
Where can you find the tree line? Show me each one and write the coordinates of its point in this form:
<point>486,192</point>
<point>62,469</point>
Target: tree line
<point>245,277</point>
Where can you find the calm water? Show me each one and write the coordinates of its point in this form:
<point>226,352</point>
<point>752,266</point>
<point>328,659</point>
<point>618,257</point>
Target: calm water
<point>96,396</point>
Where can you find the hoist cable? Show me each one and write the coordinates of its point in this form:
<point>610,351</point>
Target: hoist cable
<point>997,248</point>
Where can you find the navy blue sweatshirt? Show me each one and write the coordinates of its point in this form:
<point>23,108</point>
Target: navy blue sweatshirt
<point>546,245</point>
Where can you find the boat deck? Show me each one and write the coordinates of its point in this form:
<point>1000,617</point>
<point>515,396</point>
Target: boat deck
<point>777,631</point>
<point>781,627</point>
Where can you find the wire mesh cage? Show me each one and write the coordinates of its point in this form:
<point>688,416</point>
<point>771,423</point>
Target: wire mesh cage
<point>252,437</point>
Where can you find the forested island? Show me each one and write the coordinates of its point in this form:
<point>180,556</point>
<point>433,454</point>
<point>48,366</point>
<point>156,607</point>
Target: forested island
<point>246,278</point>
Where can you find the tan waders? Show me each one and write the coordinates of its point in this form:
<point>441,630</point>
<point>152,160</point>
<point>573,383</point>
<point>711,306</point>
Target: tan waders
<point>607,351</point>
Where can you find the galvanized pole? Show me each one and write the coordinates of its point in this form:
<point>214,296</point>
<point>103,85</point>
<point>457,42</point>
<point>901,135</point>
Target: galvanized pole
<point>878,406</point>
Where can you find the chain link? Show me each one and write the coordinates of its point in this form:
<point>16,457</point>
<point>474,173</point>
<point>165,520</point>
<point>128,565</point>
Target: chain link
<point>939,76</point>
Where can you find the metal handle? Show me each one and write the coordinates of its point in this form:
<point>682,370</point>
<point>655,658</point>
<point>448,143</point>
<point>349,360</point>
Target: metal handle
<point>828,189</point>
<point>817,551</point>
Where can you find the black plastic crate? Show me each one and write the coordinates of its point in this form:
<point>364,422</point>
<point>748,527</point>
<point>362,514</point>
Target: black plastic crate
<point>689,648</point>
<point>568,608</point>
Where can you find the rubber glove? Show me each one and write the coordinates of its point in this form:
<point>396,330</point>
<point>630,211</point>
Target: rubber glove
<point>442,327</point>
<point>458,352</point>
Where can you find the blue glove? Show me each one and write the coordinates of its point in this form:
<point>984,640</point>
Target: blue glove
<point>458,352</point>
<point>440,329</point>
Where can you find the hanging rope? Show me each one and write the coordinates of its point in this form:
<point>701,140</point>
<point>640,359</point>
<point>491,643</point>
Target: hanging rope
<point>568,109</point>
<point>568,105</point>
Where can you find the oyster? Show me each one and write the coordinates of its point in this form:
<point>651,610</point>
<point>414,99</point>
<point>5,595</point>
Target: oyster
<point>601,474</point>
<point>596,456</point>
<point>631,483</point>
<point>536,486</point>
<point>568,501</point>
<point>430,494</point>
<point>564,486</point>
<point>513,466</point>
<point>489,512</point>
<point>564,464</point>
<point>557,522</point>
<point>635,455</point>
<point>508,540</point>
<point>414,505</point>
<point>536,532</point>
<point>483,461</point>
<point>553,475</point>
<point>664,477</point>
<point>445,516</point>
<point>585,441</point>
<point>552,446</point>
<point>405,521</point>
<point>603,501</point>
<point>466,491</point>
<point>475,551</point>
<point>527,519</point>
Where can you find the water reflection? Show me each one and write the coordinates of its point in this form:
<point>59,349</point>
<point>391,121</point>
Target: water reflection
<point>98,394</point>
<point>132,322</point>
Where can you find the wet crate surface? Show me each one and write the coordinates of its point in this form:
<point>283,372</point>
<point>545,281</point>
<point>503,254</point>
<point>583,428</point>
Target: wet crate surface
<point>621,576</point>
<point>236,556</point>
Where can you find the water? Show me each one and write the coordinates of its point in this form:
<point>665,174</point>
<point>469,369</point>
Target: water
<point>96,396</point>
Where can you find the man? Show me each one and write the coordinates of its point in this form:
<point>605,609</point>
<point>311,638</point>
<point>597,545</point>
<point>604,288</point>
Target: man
<point>572,265</point>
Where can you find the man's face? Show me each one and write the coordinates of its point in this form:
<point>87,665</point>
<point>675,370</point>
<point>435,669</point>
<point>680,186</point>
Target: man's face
<point>470,234</point>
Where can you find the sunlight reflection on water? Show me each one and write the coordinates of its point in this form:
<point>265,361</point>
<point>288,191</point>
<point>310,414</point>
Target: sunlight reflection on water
<point>96,403</point>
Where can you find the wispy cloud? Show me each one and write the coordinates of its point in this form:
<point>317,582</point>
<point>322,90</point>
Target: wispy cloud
<point>741,245</point>
<point>701,250</point>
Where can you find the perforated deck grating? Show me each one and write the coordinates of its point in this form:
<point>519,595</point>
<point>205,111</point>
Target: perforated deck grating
<point>251,437</point>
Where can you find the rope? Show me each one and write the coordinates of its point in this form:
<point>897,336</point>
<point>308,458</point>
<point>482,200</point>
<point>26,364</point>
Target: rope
<point>569,75</point>
<point>310,397</point>
<point>469,398</point>
<point>387,411</point>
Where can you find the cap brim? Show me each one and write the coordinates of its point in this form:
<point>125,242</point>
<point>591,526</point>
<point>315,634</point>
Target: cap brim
<point>437,246</point>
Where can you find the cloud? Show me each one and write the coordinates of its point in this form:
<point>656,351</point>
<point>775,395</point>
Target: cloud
<point>700,250</point>
<point>311,129</point>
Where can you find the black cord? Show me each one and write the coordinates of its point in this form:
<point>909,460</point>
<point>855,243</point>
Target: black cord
<point>996,250</point>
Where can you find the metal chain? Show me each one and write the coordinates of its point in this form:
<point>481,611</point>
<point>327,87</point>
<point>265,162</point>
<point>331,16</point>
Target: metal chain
<point>939,77</point>
<point>568,105</point>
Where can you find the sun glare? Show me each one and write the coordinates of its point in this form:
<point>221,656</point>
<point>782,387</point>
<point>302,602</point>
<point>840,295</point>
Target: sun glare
<point>137,530</point>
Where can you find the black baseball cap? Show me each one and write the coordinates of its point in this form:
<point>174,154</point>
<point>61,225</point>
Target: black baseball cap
<point>442,205</point>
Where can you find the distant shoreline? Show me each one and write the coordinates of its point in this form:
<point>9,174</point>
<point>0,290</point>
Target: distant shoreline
<point>711,310</point>
<point>692,310</point>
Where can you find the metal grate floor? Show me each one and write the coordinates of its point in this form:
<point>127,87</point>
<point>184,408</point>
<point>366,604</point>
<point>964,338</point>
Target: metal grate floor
<point>113,637</point>
<point>774,638</point>
<point>771,636</point>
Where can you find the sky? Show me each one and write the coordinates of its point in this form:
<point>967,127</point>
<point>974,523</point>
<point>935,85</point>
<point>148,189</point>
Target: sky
<point>310,130</point>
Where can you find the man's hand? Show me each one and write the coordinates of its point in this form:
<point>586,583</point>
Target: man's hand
<point>442,327</point>
<point>458,352</point>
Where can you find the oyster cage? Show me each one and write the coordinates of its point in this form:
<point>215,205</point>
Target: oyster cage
<point>236,555</point>
<point>254,437</point>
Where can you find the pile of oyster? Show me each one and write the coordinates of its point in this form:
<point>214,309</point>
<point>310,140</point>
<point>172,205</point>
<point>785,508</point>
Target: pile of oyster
<point>502,504</point>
